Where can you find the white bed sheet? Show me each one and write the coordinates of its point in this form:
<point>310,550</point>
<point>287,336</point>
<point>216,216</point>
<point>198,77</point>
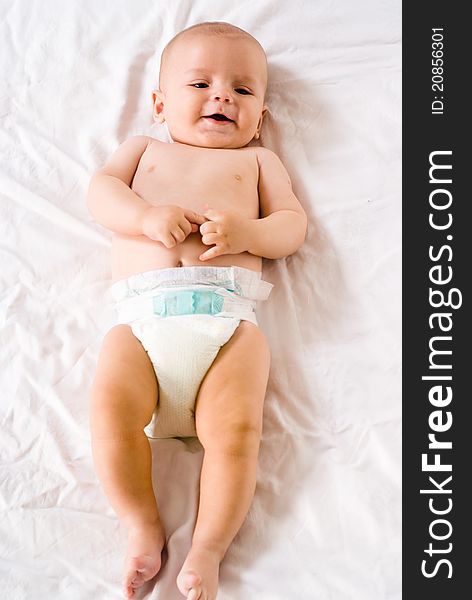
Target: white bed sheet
<point>325,521</point>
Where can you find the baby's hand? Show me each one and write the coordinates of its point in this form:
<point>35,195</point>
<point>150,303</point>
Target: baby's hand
<point>228,233</point>
<point>170,224</point>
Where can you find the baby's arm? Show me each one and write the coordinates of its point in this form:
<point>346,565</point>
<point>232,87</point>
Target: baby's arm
<point>281,229</point>
<point>279,232</point>
<point>114,205</point>
<point>110,199</point>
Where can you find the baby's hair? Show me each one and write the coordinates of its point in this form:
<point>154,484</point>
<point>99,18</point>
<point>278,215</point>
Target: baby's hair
<point>217,28</point>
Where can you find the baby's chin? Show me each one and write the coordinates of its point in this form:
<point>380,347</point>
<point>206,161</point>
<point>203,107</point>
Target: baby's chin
<point>211,139</point>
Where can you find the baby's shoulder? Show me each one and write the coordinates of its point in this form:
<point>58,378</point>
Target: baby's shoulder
<point>264,154</point>
<point>156,149</point>
<point>263,151</point>
<point>257,153</point>
<point>267,159</point>
<point>155,143</point>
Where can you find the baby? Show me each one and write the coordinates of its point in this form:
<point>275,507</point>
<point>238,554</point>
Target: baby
<point>192,220</point>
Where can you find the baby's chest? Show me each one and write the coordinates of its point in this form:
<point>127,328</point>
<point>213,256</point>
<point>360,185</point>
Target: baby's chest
<point>221,179</point>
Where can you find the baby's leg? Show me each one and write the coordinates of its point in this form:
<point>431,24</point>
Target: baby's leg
<point>123,398</point>
<point>229,423</point>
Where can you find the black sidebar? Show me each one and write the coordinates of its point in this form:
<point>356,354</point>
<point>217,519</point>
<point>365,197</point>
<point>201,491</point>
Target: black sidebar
<point>437,332</point>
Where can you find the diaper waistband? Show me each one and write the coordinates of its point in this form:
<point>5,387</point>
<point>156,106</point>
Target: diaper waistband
<point>244,282</point>
<point>219,291</point>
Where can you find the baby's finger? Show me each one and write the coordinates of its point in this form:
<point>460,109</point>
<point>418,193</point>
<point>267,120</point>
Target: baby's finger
<point>168,240</point>
<point>194,217</point>
<point>178,234</point>
<point>211,253</point>
<point>208,227</point>
<point>210,238</point>
<point>213,215</point>
<point>187,227</point>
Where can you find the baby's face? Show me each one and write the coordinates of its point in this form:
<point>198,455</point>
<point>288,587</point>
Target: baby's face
<point>212,91</point>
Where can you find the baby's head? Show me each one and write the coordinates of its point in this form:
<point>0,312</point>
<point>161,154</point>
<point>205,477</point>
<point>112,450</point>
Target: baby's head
<point>212,85</point>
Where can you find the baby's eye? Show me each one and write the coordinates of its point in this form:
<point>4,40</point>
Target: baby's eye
<point>243,91</point>
<point>200,85</point>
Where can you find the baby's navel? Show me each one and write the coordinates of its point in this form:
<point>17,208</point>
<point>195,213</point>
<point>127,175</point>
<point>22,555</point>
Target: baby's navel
<point>151,169</point>
<point>238,177</point>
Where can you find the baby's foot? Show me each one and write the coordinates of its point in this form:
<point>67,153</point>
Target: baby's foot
<point>143,559</point>
<point>198,578</point>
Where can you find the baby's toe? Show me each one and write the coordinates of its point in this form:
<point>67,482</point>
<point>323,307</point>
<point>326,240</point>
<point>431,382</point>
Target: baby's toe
<point>190,585</point>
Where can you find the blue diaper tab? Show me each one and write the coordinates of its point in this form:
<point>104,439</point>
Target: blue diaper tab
<point>172,303</point>
<point>226,292</point>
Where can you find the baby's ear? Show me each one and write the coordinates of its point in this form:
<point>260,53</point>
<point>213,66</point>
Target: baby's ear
<point>158,106</point>
<point>257,135</point>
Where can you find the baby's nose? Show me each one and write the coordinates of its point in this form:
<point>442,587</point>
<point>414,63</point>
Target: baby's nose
<point>222,96</point>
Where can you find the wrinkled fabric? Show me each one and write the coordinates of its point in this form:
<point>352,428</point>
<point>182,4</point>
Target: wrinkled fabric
<point>325,521</point>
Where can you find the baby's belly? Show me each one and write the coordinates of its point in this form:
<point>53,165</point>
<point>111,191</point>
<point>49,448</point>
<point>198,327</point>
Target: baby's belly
<point>137,254</point>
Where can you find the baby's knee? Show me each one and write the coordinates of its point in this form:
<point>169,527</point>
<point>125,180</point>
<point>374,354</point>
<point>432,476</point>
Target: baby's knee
<point>241,438</point>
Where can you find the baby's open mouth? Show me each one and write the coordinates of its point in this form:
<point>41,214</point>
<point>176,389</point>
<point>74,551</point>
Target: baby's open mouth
<point>219,117</point>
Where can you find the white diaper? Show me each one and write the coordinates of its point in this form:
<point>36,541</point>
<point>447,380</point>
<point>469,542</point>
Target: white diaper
<point>183,316</point>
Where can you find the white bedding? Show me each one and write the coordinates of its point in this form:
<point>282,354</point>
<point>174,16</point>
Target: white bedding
<point>325,522</point>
